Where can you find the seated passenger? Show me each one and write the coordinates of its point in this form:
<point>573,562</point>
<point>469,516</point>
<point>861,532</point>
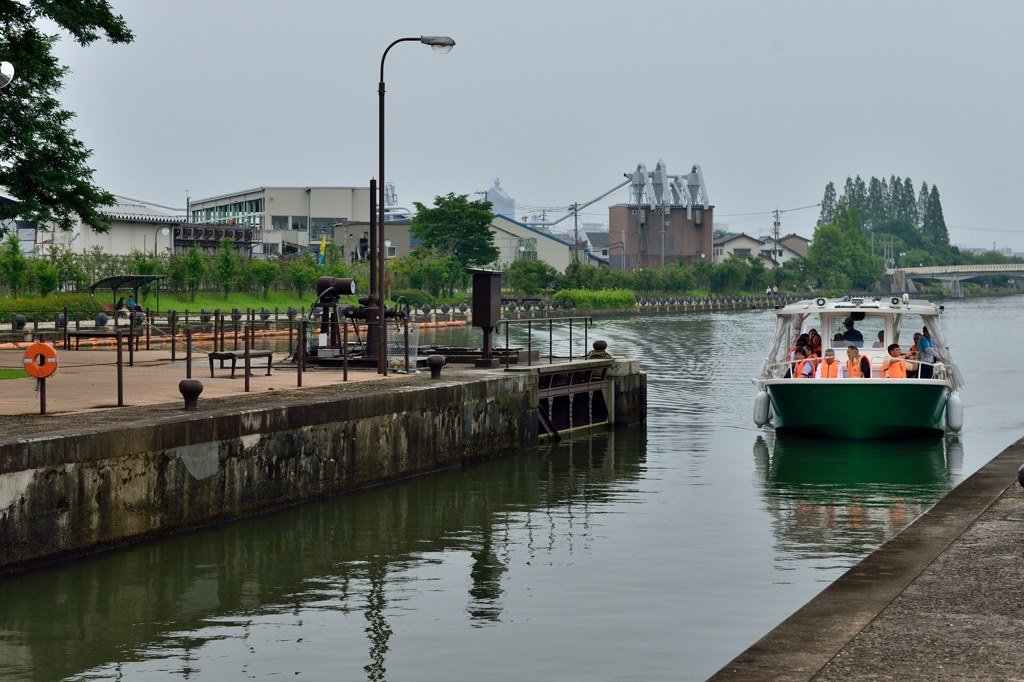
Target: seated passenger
<point>801,341</point>
<point>857,366</point>
<point>926,351</point>
<point>851,334</point>
<point>802,369</point>
<point>838,340</point>
<point>829,367</point>
<point>881,340</point>
<point>815,340</point>
<point>895,366</point>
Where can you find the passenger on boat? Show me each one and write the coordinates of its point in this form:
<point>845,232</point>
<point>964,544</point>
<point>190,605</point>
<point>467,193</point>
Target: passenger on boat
<point>895,366</point>
<point>815,340</point>
<point>857,365</point>
<point>881,340</point>
<point>927,352</point>
<point>838,340</point>
<point>802,369</point>
<point>829,367</point>
<point>852,334</point>
<point>801,341</point>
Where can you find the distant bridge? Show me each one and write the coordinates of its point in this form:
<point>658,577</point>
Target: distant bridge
<point>951,276</point>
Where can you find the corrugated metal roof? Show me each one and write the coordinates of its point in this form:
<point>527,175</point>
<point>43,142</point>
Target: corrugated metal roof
<point>139,211</point>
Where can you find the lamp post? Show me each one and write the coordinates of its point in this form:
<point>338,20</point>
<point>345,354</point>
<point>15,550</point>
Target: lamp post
<point>440,45</point>
<point>6,74</point>
<point>160,230</point>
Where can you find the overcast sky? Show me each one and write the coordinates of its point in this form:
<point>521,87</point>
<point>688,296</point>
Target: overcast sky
<point>559,99</point>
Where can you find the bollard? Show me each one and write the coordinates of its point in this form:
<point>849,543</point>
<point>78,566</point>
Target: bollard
<point>120,372</point>
<point>435,363</point>
<point>190,390</point>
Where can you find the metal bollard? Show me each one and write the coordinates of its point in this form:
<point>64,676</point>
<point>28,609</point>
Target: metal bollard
<point>190,390</point>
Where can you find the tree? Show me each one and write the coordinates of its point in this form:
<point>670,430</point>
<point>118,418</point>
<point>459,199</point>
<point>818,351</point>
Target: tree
<point>828,204</point>
<point>457,227</point>
<point>225,265</point>
<point>840,254</point>
<point>827,259</point>
<point>46,276</point>
<point>42,164</point>
<point>933,224</point>
<point>194,271</point>
<point>265,273</point>
<point>530,277</point>
<point>303,275</point>
<point>911,215</point>
<point>13,265</point>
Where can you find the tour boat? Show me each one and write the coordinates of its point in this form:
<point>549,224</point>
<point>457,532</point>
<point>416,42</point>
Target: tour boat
<point>863,407</point>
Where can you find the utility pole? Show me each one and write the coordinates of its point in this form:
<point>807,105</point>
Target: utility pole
<point>576,232</point>
<point>775,247</point>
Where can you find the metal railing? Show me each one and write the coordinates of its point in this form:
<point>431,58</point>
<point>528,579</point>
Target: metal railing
<point>587,323</point>
<point>779,370</point>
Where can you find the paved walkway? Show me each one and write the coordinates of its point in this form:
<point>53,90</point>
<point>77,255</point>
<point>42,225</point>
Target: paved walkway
<point>943,600</point>
<point>87,381</point>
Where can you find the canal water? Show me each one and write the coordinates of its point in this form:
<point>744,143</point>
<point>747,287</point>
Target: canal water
<point>654,552</point>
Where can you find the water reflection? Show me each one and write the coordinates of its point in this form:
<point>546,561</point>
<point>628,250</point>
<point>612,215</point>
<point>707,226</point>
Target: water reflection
<point>163,607</point>
<point>831,501</point>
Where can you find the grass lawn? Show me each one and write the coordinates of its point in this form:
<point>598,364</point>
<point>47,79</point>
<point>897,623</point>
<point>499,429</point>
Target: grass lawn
<point>11,373</point>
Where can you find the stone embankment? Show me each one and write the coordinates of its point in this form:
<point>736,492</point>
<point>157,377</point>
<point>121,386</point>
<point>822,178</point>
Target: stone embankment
<point>133,474</point>
<point>940,601</point>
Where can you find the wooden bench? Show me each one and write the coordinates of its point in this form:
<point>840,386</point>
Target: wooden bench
<point>235,355</point>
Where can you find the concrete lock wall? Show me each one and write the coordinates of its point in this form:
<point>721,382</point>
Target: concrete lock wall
<point>65,494</point>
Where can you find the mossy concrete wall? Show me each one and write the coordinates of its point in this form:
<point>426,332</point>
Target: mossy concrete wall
<point>62,494</point>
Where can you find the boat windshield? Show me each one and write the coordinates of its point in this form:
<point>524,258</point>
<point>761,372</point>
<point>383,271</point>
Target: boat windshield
<point>866,332</point>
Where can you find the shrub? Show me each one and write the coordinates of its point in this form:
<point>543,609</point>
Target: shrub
<point>48,306</point>
<point>603,299</point>
<point>416,297</point>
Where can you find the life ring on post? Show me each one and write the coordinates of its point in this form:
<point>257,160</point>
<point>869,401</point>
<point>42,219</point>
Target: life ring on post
<point>40,360</point>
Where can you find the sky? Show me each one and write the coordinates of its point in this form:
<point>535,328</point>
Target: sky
<point>558,99</point>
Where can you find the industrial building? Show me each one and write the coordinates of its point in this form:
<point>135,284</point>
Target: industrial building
<point>668,219</point>
<point>518,241</point>
<point>135,225</point>
<point>284,219</point>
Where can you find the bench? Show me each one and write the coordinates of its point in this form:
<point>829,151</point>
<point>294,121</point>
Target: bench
<point>93,334</point>
<point>235,355</point>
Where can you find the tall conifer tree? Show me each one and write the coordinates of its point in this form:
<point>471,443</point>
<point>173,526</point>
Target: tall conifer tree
<point>922,204</point>
<point>828,204</point>
<point>911,202</point>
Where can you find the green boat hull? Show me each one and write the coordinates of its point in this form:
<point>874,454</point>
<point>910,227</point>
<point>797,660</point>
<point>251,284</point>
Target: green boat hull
<point>859,408</point>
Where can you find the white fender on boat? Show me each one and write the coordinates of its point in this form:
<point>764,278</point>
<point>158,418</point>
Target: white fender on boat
<point>761,405</point>
<point>954,412</point>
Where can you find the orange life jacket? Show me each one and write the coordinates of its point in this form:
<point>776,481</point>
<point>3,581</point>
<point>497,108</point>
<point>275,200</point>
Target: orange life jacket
<point>798,369</point>
<point>830,371</point>
<point>897,370</point>
<point>854,368</point>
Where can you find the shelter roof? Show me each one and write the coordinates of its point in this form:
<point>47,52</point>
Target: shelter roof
<point>124,282</point>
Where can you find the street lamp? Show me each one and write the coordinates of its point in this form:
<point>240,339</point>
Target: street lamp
<point>440,45</point>
<point>160,230</point>
<point>7,73</point>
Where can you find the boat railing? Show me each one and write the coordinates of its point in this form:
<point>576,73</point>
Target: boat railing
<point>779,370</point>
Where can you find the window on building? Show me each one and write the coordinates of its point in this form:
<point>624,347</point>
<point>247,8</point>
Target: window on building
<point>271,248</point>
<point>299,223</point>
<point>320,227</point>
<point>741,252</point>
<point>279,222</point>
<point>392,251</point>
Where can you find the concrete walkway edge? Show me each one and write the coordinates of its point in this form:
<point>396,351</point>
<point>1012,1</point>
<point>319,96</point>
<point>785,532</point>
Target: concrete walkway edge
<point>806,641</point>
